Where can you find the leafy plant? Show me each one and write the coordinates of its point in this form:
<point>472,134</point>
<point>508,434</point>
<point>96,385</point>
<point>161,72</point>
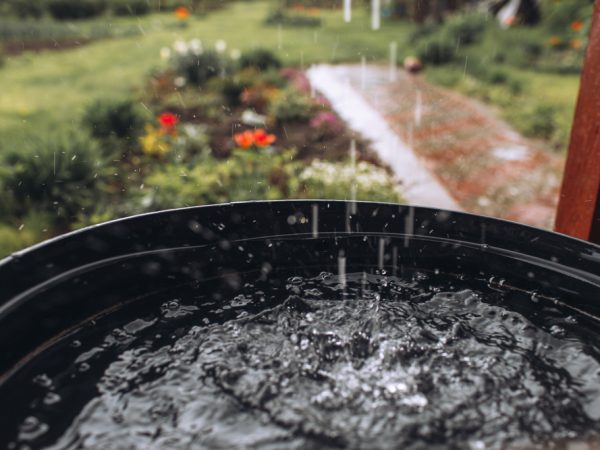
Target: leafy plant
<point>121,119</point>
<point>196,65</point>
<point>58,174</point>
<point>75,9</point>
<point>129,7</point>
<point>340,180</point>
<point>260,59</point>
<point>291,106</point>
<point>285,18</point>
<point>246,175</point>
<point>539,121</point>
<point>467,28</point>
<point>436,50</point>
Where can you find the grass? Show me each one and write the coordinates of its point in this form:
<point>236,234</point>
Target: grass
<point>50,90</point>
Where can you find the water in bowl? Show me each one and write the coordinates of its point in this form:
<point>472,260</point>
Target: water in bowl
<point>357,360</point>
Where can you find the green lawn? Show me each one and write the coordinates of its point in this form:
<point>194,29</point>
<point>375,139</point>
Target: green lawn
<point>49,90</point>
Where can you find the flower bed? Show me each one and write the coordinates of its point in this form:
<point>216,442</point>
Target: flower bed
<point>213,125</point>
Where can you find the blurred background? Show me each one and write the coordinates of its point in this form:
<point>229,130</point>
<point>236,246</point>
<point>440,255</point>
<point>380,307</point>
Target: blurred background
<point>110,108</point>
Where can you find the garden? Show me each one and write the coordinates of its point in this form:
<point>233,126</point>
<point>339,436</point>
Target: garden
<point>117,107</point>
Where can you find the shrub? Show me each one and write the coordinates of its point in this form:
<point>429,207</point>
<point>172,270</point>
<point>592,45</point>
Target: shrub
<point>466,29</point>
<point>282,17</point>
<point>2,59</point>
<point>291,106</point>
<point>12,239</point>
<point>129,7</point>
<point>340,181</point>
<point>436,50</point>
<point>539,121</point>
<point>246,175</point>
<point>59,174</point>
<point>121,119</point>
<point>27,8</point>
<point>76,9</point>
<point>197,65</point>
<point>260,59</point>
<point>422,32</point>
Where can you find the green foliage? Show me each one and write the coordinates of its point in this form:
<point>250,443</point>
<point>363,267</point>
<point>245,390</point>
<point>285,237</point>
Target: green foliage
<point>121,119</point>
<point>12,239</point>
<point>260,59</point>
<point>58,174</point>
<point>2,58</point>
<point>341,181</point>
<point>130,7</point>
<point>199,67</point>
<point>436,50</point>
<point>558,15</point>
<point>291,106</point>
<point>466,29</point>
<point>287,19</point>
<point>538,120</point>
<point>246,175</point>
<point>27,8</point>
<point>75,9</point>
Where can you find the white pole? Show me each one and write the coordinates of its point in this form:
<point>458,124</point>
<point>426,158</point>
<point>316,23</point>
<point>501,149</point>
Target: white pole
<point>375,14</point>
<point>393,60</point>
<point>347,11</point>
<point>363,72</point>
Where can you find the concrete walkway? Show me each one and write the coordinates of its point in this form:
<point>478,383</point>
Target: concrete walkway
<point>449,151</point>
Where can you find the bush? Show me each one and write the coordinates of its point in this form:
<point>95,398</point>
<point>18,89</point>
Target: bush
<point>59,175</point>
<point>27,8</point>
<point>198,68</point>
<point>281,17</point>
<point>539,121</point>
<point>422,32</point>
<point>260,59</point>
<point>246,175</point>
<point>76,9</point>
<point>436,50</point>
<point>129,7</point>
<point>466,29</point>
<point>341,181</point>
<point>12,239</point>
<point>2,59</point>
<point>121,119</point>
<point>291,106</point>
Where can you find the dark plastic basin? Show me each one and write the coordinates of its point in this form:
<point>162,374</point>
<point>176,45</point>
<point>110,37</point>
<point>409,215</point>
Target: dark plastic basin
<point>54,289</point>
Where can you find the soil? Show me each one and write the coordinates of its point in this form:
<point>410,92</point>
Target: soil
<point>14,48</point>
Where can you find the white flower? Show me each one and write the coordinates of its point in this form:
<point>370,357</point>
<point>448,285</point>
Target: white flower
<point>180,47</point>
<point>235,54</point>
<point>179,81</point>
<point>196,46</point>
<point>165,53</point>
<point>221,46</point>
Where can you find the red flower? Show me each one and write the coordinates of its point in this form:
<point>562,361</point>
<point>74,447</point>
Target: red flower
<point>262,138</point>
<point>244,140</point>
<point>168,121</point>
<point>577,25</point>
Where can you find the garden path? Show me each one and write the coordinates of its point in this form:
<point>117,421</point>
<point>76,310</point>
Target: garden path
<point>449,151</point>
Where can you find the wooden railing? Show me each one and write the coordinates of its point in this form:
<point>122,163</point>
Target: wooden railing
<point>578,212</point>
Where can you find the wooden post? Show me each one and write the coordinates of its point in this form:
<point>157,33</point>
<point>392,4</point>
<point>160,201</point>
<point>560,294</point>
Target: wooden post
<point>578,212</point>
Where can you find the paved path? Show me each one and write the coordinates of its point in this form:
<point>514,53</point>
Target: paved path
<point>450,151</point>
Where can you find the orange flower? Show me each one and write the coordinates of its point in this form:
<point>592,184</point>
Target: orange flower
<point>182,13</point>
<point>577,25</point>
<point>576,44</point>
<point>263,139</point>
<point>554,41</point>
<point>244,140</point>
